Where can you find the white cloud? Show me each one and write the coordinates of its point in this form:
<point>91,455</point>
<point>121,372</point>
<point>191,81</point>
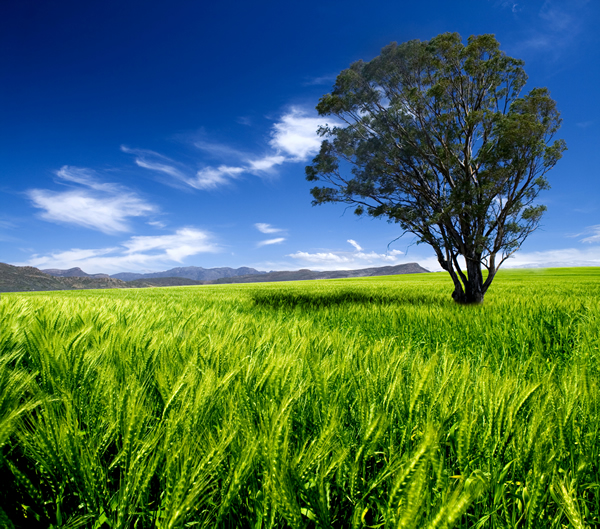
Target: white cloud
<point>267,242</point>
<point>78,207</point>
<point>429,262</point>
<point>265,164</point>
<point>355,244</point>
<point>266,228</point>
<point>138,254</point>
<point>294,138</point>
<point>336,260</point>
<point>564,257</point>
<point>322,258</point>
<point>105,207</point>
<point>296,135</point>
<point>176,247</point>
<point>332,260</point>
<point>555,258</point>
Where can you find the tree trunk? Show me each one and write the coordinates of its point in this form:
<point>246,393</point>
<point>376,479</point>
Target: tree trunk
<point>472,292</point>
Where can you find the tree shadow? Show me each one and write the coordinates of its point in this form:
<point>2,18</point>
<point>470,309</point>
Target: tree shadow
<point>317,300</point>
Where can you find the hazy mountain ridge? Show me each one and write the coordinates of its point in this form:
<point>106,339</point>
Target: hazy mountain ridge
<point>163,282</point>
<point>71,272</point>
<point>28,278</point>
<point>196,273</point>
<point>305,274</point>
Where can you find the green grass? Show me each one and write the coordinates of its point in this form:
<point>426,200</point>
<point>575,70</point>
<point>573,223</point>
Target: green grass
<point>372,402</point>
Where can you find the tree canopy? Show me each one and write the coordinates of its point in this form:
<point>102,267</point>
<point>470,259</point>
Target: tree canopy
<point>436,136</point>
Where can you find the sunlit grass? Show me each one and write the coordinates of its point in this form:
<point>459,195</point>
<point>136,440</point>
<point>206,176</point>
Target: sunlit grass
<point>340,403</point>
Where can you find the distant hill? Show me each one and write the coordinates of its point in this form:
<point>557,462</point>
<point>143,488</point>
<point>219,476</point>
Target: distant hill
<point>197,273</point>
<point>28,278</point>
<point>71,272</point>
<point>305,274</point>
<point>163,282</point>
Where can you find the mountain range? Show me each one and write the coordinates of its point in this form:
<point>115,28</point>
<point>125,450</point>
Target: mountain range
<point>197,273</point>
<point>305,274</point>
<point>28,278</point>
<point>71,272</point>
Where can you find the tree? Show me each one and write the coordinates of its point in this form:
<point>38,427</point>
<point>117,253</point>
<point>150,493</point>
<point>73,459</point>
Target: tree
<point>436,137</point>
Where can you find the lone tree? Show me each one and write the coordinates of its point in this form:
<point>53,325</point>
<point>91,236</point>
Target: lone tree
<point>437,138</point>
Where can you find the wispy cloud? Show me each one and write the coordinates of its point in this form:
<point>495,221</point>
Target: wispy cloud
<point>244,120</point>
<point>7,226</point>
<point>267,228</point>
<point>219,150</point>
<point>263,227</point>
<point>206,178</point>
<point>179,174</point>
<point>85,177</point>
<point>555,28</point>
<point>89,202</point>
<point>556,17</point>
<point>213,177</point>
<point>140,253</point>
<point>355,244</point>
<point>293,139</point>
<point>322,80</point>
<point>161,168</point>
<point>595,234</point>
<point>268,242</point>
<point>505,3</point>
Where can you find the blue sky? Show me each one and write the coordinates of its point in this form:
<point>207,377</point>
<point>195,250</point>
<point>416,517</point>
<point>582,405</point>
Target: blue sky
<point>144,135</point>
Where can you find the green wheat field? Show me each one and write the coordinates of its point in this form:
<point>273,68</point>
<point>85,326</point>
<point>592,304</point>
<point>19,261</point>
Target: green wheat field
<point>372,402</point>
